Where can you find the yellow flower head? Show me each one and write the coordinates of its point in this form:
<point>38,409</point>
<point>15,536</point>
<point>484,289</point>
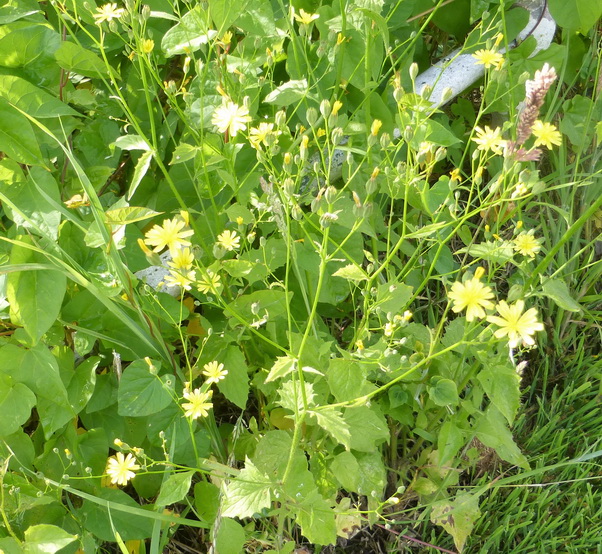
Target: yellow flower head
<point>121,468</point>
<point>198,404</point>
<point>210,283</point>
<point>214,372</point>
<point>526,244</point>
<point>472,296</point>
<point>108,12</point>
<point>171,234</point>
<point>231,118</point>
<point>182,259</point>
<point>546,134</point>
<point>515,324</point>
<point>306,18</point>
<point>148,45</point>
<point>336,106</point>
<point>228,240</point>
<point>259,135</point>
<point>489,139</point>
<point>375,127</point>
<point>182,279</point>
<point>489,58</point>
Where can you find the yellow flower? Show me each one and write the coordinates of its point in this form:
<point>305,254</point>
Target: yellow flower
<point>226,38</point>
<point>306,18</point>
<point>180,279</point>
<point>375,127</point>
<point>472,296</point>
<point>546,134</point>
<point>258,135</point>
<point>489,58</point>
<point>148,45</point>
<point>108,12</point>
<point>170,234</point>
<point>214,372</point>
<point>231,118</point>
<point>455,175</point>
<point>197,404</point>
<point>182,259</point>
<point>526,244</point>
<point>210,283</point>
<point>121,469</point>
<point>517,326</point>
<point>336,106</point>
<point>228,240</point>
<point>488,139</point>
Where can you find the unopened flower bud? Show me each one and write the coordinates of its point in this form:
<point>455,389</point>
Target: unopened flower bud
<point>280,118</point>
<point>440,154</point>
<point>385,140</point>
<point>446,95</point>
<point>311,115</point>
<point>325,108</point>
<point>330,194</point>
<point>413,71</point>
<point>336,135</point>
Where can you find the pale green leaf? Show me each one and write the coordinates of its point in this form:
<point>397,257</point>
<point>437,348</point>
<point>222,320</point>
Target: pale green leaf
<point>558,291</point>
<point>288,93</point>
<point>282,367</point>
<point>43,538</point>
<point>367,426</point>
<point>457,517</point>
<point>189,34</point>
<point>175,488</point>
<point>351,272</point>
<point>248,494</point>
<point>235,386</point>
<point>16,402</point>
<point>142,392</point>
<point>76,58</point>
<point>502,386</point>
<point>491,429</point>
<point>331,420</point>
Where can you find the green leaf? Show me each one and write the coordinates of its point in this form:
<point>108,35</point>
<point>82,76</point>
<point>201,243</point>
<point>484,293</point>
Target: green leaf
<point>492,431</point>
<point>225,12</point>
<point>316,518</point>
<point>351,272</point>
<point>17,139</point>
<point>372,473</point>
<point>558,291</point>
<point>393,297</point>
<point>142,392</point>
<point>129,214</point>
<point>189,34</point>
<point>16,402</point>
<point>502,386</point>
<point>444,392</point>
<point>76,58</point>
<point>140,170</point>
<point>231,537</point>
<point>281,368</point>
<point>175,488</point>
<point>32,100</point>
<point>248,494</point>
<point>235,386</point>
<point>449,442</point>
<point>575,15</point>
<point>272,301</point>
<point>206,500</point>
<point>368,428</point>
<point>131,142</point>
<point>289,93</point>
<point>346,470</point>
<point>331,420</point>
<point>38,370</point>
<point>500,252</point>
<point>457,517</point>
<point>31,203</point>
<point>35,296</point>
<point>291,397</point>
<point>347,380</point>
<point>42,539</point>
<point>104,521</point>
<point>25,44</point>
